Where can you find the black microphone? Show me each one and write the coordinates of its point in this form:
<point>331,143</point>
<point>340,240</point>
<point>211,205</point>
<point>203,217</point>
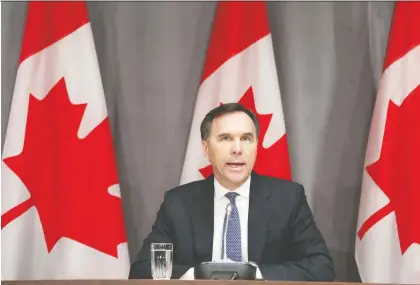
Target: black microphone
<point>228,212</point>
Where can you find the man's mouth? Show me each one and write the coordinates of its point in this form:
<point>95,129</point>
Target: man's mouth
<point>236,165</point>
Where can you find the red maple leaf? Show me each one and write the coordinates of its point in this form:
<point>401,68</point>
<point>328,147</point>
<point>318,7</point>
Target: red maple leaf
<point>67,177</point>
<point>272,161</point>
<point>397,171</point>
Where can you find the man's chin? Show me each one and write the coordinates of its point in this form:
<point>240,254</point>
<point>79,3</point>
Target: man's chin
<point>238,179</point>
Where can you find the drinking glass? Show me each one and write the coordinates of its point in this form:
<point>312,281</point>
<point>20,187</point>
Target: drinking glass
<point>161,260</point>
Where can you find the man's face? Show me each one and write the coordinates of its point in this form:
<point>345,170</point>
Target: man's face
<point>231,148</point>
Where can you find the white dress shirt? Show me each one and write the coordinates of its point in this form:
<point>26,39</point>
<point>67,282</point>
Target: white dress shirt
<point>220,203</point>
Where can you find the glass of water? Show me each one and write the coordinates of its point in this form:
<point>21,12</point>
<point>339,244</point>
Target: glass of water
<point>161,260</point>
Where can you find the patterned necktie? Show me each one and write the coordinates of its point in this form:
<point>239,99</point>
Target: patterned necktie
<point>233,232</point>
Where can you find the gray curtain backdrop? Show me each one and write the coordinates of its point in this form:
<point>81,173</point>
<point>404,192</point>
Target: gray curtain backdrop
<point>329,58</point>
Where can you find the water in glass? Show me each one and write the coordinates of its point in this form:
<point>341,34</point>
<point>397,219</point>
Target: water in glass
<point>161,257</point>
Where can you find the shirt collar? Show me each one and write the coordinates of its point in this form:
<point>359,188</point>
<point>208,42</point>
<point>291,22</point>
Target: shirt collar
<point>220,191</point>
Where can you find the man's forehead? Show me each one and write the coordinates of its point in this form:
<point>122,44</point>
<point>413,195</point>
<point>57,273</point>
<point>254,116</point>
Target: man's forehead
<point>233,123</point>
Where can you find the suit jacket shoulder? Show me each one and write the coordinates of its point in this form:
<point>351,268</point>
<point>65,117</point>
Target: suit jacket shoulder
<point>284,197</point>
<point>193,188</point>
<point>279,188</point>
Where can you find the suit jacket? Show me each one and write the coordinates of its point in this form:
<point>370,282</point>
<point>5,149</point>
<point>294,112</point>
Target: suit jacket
<point>282,235</point>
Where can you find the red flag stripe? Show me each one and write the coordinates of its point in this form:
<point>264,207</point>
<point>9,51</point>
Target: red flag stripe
<point>237,25</point>
<point>374,219</point>
<point>48,22</point>
<point>404,33</point>
<point>16,212</point>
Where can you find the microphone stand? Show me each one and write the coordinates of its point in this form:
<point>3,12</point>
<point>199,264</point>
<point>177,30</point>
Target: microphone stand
<point>228,212</point>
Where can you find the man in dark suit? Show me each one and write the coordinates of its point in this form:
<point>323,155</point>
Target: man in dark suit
<point>269,220</point>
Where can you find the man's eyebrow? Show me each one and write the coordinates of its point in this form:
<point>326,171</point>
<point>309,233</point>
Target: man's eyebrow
<point>228,134</point>
<point>223,134</point>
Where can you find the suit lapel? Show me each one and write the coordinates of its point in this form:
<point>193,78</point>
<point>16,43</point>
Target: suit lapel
<point>202,219</point>
<point>257,217</point>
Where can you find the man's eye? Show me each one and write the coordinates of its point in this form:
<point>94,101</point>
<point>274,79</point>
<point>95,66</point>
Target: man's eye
<point>225,138</point>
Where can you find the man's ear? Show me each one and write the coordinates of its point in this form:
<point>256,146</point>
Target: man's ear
<point>205,148</point>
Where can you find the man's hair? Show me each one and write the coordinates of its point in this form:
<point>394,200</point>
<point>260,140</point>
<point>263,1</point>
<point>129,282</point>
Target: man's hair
<point>207,122</point>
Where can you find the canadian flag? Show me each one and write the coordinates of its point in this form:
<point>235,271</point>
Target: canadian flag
<point>240,67</point>
<point>388,230</point>
<point>61,208</point>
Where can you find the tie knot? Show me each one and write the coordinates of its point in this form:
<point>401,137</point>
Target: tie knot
<point>232,196</point>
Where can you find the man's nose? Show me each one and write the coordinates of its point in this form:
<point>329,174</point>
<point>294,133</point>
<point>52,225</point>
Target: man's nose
<point>237,147</point>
